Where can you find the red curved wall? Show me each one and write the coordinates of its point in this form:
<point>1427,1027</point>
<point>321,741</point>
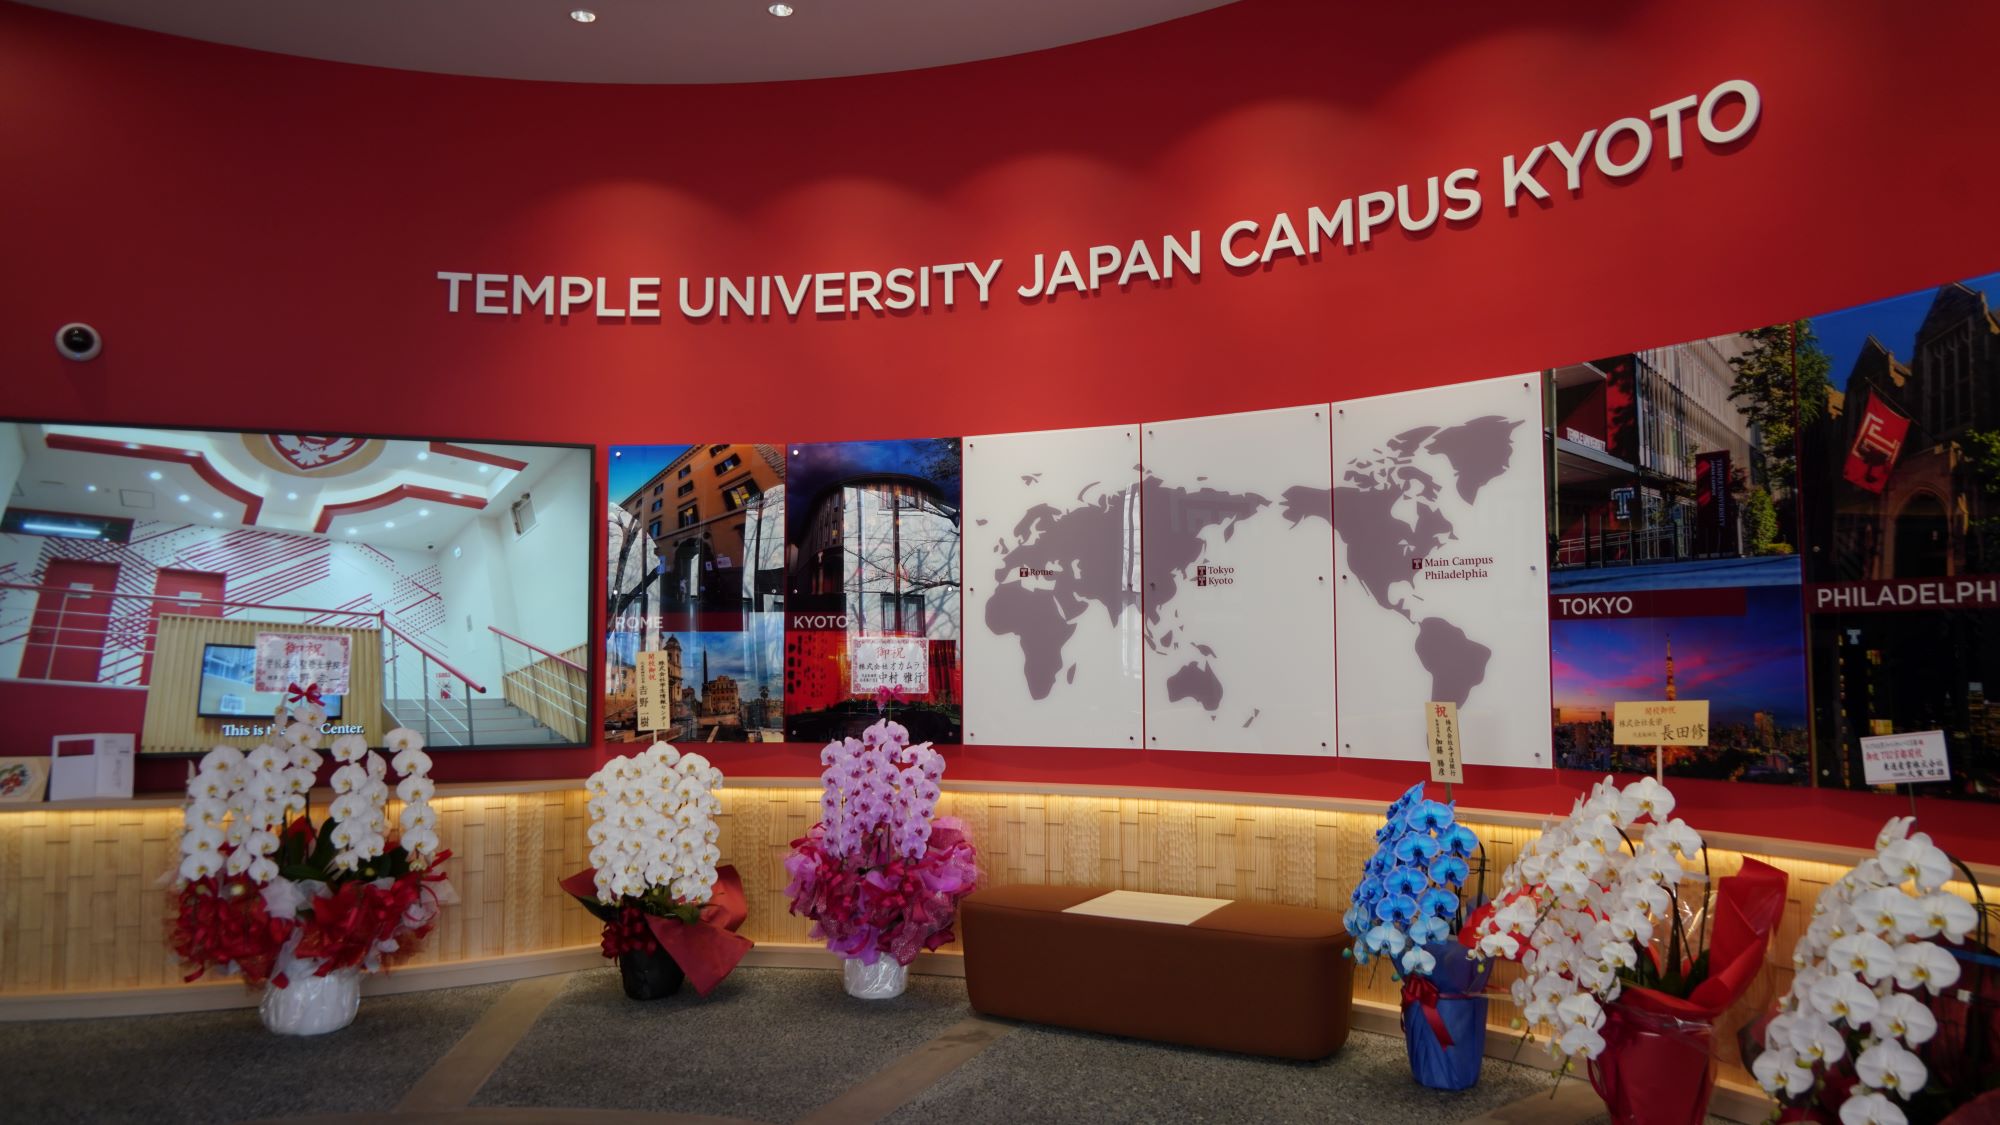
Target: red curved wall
<point>258,237</point>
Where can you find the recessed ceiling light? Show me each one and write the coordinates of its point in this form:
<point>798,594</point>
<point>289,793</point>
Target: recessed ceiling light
<point>215,515</point>
<point>131,445</point>
<point>350,531</point>
<point>291,496</point>
<point>583,15</point>
<point>780,10</point>
<point>458,496</point>
<point>90,488</point>
<point>423,454</point>
<point>183,497</point>
<point>423,511</point>
<point>154,475</point>
<point>485,468</point>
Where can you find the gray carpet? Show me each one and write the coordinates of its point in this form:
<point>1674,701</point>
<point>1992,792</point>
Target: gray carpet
<point>1045,1074</point>
<point>769,1044</point>
<point>209,1067</point>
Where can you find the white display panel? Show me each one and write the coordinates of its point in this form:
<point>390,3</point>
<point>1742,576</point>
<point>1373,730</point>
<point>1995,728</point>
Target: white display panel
<point>1440,532</point>
<point>1238,565</point>
<point>1052,635</point>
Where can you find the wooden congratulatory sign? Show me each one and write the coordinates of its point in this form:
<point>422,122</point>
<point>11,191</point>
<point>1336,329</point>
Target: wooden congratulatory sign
<point>654,707</point>
<point>1660,722</point>
<point>1447,762</point>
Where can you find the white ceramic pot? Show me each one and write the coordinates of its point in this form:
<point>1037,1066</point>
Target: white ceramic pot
<point>309,1004</point>
<point>884,980</point>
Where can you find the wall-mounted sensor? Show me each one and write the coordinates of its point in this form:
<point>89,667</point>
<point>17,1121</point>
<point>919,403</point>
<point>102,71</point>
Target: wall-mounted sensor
<point>79,341</point>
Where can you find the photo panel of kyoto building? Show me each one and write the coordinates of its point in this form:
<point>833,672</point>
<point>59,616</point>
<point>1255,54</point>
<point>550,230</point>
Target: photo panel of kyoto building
<point>872,601</point>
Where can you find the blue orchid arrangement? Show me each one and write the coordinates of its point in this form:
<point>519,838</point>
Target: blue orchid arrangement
<point>1409,896</point>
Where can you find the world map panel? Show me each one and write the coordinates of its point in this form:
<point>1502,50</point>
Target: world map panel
<point>1440,547</point>
<point>1237,559</point>
<point>1053,620</point>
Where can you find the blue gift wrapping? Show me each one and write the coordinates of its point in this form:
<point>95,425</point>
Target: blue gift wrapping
<point>1460,1004</point>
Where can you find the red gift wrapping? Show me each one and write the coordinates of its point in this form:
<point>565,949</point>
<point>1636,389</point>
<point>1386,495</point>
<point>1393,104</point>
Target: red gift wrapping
<point>1657,1065</point>
<point>707,950</point>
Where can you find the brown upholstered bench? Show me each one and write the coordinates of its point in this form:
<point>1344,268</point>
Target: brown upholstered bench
<point>1248,977</point>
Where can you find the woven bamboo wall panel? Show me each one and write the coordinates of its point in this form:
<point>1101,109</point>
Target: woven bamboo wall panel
<point>172,724</point>
<point>83,905</point>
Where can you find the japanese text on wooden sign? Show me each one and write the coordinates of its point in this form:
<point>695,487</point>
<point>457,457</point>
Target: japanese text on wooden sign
<point>1660,722</point>
<point>1447,764</point>
<point>652,691</point>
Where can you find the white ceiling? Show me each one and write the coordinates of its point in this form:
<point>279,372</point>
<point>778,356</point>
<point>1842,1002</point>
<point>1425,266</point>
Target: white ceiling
<point>145,488</point>
<point>641,41</point>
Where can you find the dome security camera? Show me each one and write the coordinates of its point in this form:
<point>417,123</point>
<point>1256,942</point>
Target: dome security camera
<point>79,341</point>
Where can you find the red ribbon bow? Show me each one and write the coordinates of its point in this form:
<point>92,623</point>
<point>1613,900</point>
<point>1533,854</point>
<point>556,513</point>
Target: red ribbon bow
<point>706,950</point>
<point>309,693</point>
<point>1423,992</point>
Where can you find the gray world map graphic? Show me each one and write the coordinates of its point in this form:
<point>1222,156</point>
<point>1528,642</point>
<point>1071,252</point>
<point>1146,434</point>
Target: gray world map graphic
<point>1381,545</point>
<point>1062,563</point>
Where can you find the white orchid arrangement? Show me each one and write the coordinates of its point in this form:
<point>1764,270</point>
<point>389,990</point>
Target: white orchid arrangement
<point>1857,1004</point>
<point>1581,905</point>
<point>263,893</point>
<point>239,803</point>
<point>653,838</point>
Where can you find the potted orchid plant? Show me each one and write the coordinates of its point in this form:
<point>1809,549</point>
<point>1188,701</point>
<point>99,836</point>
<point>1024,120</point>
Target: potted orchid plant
<point>878,876</point>
<point>299,911</point>
<point>669,912</point>
<point>1878,1027</point>
<point>1408,909</point>
<point>1623,973</point>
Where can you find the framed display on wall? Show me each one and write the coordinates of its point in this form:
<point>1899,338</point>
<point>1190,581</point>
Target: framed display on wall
<point>454,574</point>
<point>1237,547</point>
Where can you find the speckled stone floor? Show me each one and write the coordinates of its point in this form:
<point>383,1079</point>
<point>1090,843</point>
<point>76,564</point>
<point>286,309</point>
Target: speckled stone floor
<point>770,1045</point>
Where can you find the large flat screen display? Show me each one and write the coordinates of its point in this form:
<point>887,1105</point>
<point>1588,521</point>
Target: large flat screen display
<point>458,571</point>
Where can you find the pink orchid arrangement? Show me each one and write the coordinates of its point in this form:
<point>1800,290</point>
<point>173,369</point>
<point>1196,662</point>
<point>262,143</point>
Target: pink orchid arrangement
<point>877,875</point>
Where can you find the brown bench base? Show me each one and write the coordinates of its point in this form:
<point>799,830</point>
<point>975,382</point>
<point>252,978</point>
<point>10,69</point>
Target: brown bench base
<point>1249,977</point>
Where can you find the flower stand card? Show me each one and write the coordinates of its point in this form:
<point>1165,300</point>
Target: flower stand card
<point>23,780</point>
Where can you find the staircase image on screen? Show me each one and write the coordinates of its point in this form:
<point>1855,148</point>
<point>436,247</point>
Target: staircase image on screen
<point>144,563</point>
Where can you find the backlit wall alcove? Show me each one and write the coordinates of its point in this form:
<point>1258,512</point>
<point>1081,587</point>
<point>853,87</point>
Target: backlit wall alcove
<point>259,238</point>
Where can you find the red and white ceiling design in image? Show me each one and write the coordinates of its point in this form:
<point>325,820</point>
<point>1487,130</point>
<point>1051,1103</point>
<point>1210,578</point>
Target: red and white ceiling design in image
<point>404,493</point>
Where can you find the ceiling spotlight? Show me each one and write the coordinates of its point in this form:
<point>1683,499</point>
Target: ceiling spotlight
<point>423,511</point>
<point>183,497</point>
<point>350,531</point>
<point>391,523</point>
<point>780,10</point>
<point>215,515</point>
<point>154,475</point>
<point>90,488</point>
<point>291,496</point>
<point>131,445</point>
<point>485,468</point>
<point>425,454</point>
<point>583,15</point>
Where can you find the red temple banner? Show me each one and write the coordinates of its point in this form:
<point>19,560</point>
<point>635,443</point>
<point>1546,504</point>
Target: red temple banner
<point>1876,445</point>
